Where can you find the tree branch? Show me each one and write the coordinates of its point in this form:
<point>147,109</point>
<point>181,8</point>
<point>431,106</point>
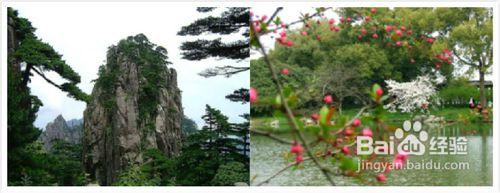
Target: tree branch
<point>226,71</point>
<point>289,113</point>
<point>300,20</point>
<point>455,52</point>
<point>46,79</point>
<point>270,135</point>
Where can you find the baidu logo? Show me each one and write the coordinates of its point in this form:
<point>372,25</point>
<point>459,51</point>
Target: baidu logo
<point>412,143</point>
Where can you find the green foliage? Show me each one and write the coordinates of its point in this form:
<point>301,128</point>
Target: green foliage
<point>40,54</point>
<point>202,155</point>
<point>473,44</point>
<point>346,62</point>
<point>160,167</point>
<point>157,170</point>
<point>21,26</point>
<point>198,164</point>
<point>67,167</point>
<point>61,166</point>
<point>22,109</point>
<point>241,95</point>
<point>28,163</point>
<point>134,176</point>
<point>40,57</point>
<point>458,93</point>
<point>230,21</point>
<point>218,142</point>
<point>152,61</point>
<point>31,163</point>
<point>299,78</point>
<point>474,39</point>
<point>230,173</point>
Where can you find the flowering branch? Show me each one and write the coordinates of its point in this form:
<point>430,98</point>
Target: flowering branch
<point>338,136</point>
<point>289,113</point>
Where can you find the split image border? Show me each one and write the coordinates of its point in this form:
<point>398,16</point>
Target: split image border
<point>456,189</point>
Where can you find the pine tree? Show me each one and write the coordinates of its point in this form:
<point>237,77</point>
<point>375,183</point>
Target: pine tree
<point>241,95</point>
<point>234,20</point>
<point>27,54</point>
<point>241,130</point>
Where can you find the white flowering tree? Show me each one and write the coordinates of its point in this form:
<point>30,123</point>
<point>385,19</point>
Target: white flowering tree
<point>414,95</point>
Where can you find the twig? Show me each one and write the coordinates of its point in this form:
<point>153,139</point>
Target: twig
<point>289,113</point>
<point>274,15</point>
<point>300,20</point>
<point>287,167</point>
<point>277,173</point>
<point>270,135</point>
<point>278,139</point>
<point>361,111</point>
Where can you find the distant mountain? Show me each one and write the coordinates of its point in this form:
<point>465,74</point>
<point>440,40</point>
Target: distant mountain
<point>69,131</point>
<point>75,122</point>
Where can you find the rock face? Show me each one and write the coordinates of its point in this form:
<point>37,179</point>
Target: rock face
<point>68,131</point>
<point>135,106</point>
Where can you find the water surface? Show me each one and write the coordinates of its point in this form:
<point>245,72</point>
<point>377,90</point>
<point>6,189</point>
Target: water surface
<point>267,158</point>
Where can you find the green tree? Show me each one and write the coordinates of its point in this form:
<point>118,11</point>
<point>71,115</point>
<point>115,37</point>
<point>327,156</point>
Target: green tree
<point>27,54</point>
<point>301,78</point>
<point>241,95</point>
<point>458,91</point>
<point>61,166</point>
<point>242,142</point>
<point>218,142</point>
<point>231,173</point>
<point>197,163</point>
<point>473,44</point>
<point>67,167</point>
<point>135,176</point>
<point>220,133</point>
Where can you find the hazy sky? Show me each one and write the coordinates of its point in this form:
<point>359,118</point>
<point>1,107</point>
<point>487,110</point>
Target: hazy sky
<point>83,33</point>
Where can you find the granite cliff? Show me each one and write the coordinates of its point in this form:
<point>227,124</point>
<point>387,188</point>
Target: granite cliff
<point>135,105</point>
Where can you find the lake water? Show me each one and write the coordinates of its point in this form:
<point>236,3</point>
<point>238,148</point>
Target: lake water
<point>267,158</point>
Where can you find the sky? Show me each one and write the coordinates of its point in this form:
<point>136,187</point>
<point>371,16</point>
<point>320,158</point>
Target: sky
<point>83,33</point>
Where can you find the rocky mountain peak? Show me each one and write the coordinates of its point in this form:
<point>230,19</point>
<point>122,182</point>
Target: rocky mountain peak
<point>135,105</point>
<point>59,129</point>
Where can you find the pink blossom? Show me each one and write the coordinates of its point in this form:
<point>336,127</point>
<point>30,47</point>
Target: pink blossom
<point>328,99</point>
<point>367,132</point>
<point>297,148</point>
<point>253,95</point>
<point>285,71</point>
<point>356,122</point>
<point>381,177</point>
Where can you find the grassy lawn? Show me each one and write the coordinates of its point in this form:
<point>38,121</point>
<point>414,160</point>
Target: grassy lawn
<point>451,114</point>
